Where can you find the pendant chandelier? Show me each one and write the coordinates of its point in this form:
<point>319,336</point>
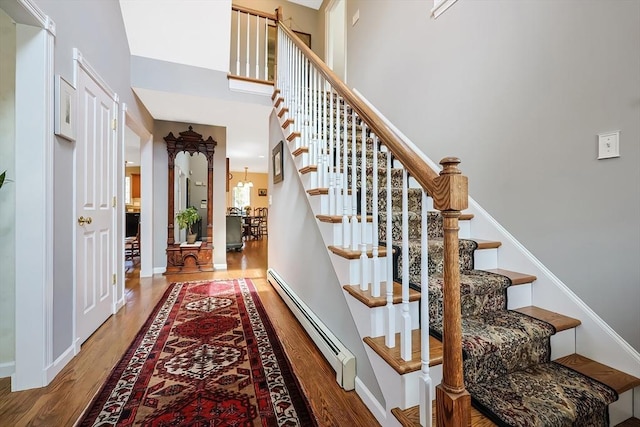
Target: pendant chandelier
<point>246,182</point>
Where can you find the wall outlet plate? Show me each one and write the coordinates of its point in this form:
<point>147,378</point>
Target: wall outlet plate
<point>608,145</point>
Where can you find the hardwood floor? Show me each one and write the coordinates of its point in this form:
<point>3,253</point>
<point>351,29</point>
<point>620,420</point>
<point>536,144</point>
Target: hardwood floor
<point>63,401</point>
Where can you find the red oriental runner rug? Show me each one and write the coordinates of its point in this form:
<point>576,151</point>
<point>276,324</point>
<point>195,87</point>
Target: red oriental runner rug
<point>207,356</point>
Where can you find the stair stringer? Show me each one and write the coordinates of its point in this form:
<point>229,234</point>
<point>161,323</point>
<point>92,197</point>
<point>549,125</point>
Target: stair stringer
<point>594,338</point>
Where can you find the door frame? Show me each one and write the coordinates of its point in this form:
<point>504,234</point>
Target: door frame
<point>34,176</point>
<point>146,188</point>
<point>328,40</point>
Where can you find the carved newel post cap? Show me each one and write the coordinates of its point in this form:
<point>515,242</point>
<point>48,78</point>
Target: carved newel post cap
<point>450,166</point>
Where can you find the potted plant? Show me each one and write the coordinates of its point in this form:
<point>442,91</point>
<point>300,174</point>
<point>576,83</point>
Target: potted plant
<point>186,218</point>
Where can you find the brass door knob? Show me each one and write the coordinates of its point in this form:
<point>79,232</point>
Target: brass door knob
<point>82,220</point>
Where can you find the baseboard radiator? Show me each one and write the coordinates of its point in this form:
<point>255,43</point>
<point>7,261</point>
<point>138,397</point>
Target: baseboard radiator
<point>338,356</point>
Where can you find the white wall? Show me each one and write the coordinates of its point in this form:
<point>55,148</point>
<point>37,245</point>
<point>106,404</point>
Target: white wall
<point>519,91</point>
<point>7,193</point>
<point>81,25</point>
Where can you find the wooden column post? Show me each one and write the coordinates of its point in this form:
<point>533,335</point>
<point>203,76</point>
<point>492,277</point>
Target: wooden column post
<point>170,205</point>
<point>210,203</point>
<point>453,402</point>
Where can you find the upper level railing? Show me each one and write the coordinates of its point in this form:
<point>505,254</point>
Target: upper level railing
<point>253,44</point>
<point>350,145</point>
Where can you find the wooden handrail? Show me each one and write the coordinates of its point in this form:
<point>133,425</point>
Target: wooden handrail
<point>254,12</point>
<point>417,167</point>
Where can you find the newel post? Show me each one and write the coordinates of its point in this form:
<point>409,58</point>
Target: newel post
<point>453,402</point>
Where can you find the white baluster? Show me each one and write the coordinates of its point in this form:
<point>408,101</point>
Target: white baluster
<point>346,235</point>
<point>246,70</point>
<point>405,327</point>
<point>425,378</point>
<point>257,49</point>
<point>354,199</point>
<point>325,139</point>
<point>375,267</point>
<point>332,190</point>
<point>238,44</point>
<point>266,48</point>
<point>390,335</point>
<point>337,172</point>
<point>364,260</point>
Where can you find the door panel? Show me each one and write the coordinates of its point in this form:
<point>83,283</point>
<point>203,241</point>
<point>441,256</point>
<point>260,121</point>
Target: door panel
<point>94,191</point>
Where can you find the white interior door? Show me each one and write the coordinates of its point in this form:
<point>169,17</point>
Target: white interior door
<point>95,214</point>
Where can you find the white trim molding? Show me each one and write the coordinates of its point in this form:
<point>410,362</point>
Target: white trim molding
<point>7,369</point>
<point>82,62</point>
<point>55,368</point>
<point>34,178</point>
<point>439,6</point>
<point>37,13</point>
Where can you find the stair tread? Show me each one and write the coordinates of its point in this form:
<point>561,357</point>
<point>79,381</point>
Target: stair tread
<point>559,321</point>
<point>318,191</point>
<point>515,277</point>
<point>631,422</point>
<point>392,355</point>
<point>410,417</point>
<point>286,123</point>
<point>348,253</point>
<point>337,219</point>
<point>486,244</point>
<point>307,169</point>
<point>276,92</point>
<point>371,301</point>
<point>293,135</point>
<point>300,150</point>
<point>617,380</point>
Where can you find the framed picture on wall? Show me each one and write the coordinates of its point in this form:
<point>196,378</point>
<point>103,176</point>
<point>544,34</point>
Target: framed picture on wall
<point>277,163</point>
<point>65,109</point>
<point>262,192</point>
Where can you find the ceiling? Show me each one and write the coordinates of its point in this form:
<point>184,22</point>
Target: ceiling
<point>313,4</point>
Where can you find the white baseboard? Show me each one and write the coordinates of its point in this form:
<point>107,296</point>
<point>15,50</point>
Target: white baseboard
<point>7,369</point>
<point>371,402</point>
<point>159,270</point>
<point>55,368</point>
<point>220,266</point>
<point>118,305</point>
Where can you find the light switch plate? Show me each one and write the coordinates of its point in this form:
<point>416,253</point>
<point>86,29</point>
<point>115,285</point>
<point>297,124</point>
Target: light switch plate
<point>608,145</point>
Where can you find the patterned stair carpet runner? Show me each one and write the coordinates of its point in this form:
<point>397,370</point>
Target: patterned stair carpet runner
<point>506,355</point>
<point>207,356</point>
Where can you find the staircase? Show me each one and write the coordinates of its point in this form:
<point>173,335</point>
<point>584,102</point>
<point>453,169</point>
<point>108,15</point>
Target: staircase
<point>430,300</point>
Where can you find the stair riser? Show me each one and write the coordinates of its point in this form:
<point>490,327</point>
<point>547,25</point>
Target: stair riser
<point>371,321</point>
<point>519,296</point>
<point>622,409</point>
<point>334,233</point>
<point>485,259</point>
<point>400,390</point>
<point>563,343</point>
<point>349,271</point>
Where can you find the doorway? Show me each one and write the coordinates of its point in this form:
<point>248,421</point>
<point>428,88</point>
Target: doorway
<point>336,38</point>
